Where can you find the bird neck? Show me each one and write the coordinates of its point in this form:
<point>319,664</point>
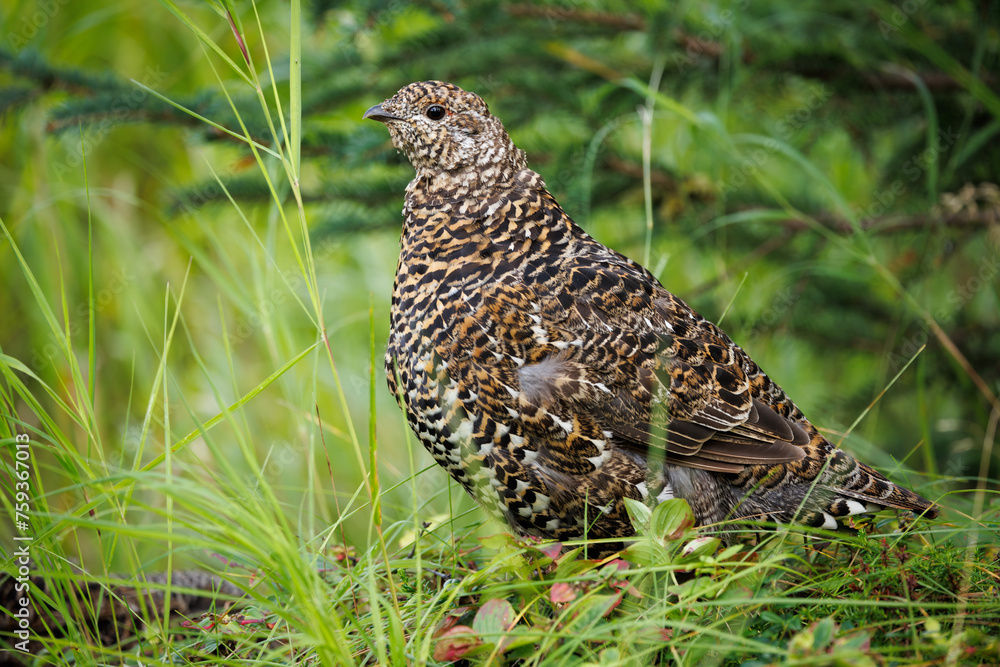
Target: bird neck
<point>460,185</point>
<point>491,167</point>
<point>518,216</point>
<point>470,197</point>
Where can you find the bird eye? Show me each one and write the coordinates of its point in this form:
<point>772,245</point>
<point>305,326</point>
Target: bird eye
<point>435,112</point>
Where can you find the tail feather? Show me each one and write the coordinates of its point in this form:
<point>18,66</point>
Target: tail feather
<point>866,491</point>
<point>870,486</point>
<point>825,487</point>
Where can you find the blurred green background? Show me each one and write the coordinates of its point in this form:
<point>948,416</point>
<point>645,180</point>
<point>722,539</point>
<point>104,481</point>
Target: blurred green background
<point>819,176</point>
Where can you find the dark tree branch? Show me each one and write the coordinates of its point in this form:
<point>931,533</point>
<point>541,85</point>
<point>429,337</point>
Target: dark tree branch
<point>891,224</point>
<point>606,19</point>
<point>660,180</point>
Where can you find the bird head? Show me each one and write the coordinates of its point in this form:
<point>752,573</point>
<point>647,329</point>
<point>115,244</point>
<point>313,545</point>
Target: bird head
<point>446,131</point>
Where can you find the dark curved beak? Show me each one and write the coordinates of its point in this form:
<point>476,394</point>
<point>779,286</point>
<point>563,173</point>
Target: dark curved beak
<point>379,114</point>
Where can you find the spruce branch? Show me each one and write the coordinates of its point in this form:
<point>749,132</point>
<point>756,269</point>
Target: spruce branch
<point>31,65</point>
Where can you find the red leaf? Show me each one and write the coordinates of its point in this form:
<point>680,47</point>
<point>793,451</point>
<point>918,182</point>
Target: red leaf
<point>562,592</point>
<point>614,604</point>
<point>632,590</point>
<point>620,564</point>
<point>551,550</point>
<point>455,643</point>
<point>449,621</point>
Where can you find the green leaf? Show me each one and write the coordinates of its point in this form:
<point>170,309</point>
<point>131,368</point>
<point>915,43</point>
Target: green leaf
<point>590,610</point>
<point>729,552</point>
<point>498,541</point>
<point>639,513</point>
<point>493,619</point>
<point>823,633</point>
<point>647,552</point>
<point>699,587</point>
<point>700,546</point>
<point>671,519</point>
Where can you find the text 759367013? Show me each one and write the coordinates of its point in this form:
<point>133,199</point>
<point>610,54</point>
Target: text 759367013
<point>22,554</point>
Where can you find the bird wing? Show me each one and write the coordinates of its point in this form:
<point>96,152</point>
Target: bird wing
<point>680,386</point>
<point>604,352</point>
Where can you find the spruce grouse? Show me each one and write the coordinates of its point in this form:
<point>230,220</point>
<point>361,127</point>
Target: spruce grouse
<point>553,377</point>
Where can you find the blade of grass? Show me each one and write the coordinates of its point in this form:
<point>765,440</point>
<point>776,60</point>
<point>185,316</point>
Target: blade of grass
<point>205,39</point>
<point>295,85</point>
<point>646,114</point>
<point>194,114</point>
<point>930,111</point>
<point>733,299</point>
<point>91,302</point>
<point>880,395</point>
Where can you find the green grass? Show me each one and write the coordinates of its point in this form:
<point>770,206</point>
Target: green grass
<point>204,390</point>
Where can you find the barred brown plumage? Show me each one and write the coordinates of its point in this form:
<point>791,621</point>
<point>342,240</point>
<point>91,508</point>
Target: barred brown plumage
<point>554,377</point>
